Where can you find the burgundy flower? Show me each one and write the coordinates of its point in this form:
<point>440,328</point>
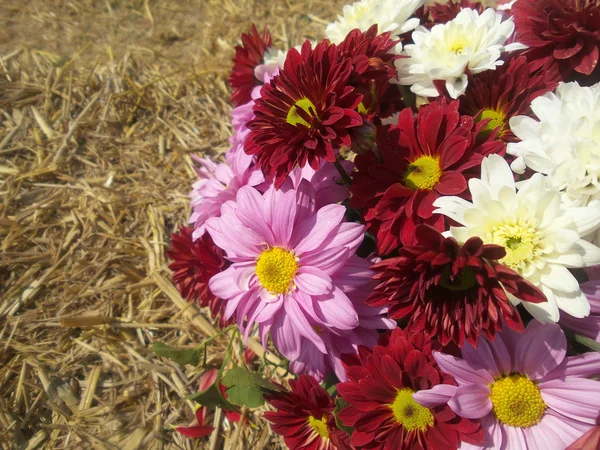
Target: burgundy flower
<point>497,95</point>
<point>451,292</point>
<point>247,56</point>
<point>421,159</point>
<point>380,391</point>
<point>194,263</point>
<point>199,430</point>
<point>372,61</point>
<point>305,418</point>
<point>305,113</point>
<point>566,32</point>
<point>445,12</point>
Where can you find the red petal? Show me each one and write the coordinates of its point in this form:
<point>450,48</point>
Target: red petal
<point>451,183</point>
<point>195,431</point>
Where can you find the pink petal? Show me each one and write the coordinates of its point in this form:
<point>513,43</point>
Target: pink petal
<point>461,370</point>
<point>515,439</point>
<point>481,357</point>
<point>577,398</point>
<point>329,260</point>
<point>501,353</point>
<point>299,321</point>
<point>438,395</point>
<point>312,281</point>
<point>285,336</point>
<point>542,348</point>
<point>311,232</point>
<point>284,217</point>
<point>578,366</point>
<point>348,235</point>
<point>471,401</point>
<point>250,207</point>
<point>561,429</point>
<point>336,310</point>
<point>223,285</point>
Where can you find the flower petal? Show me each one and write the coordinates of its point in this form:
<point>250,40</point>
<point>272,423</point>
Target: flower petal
<point>471,401</point>
<point>438,395</point>
<point>461,370</point>
<point>541,349</point>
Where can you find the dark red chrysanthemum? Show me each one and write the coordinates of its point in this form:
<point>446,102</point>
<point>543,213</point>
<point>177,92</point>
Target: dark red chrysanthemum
<point>445,12</point>
<point>194,263</point>
<point>421,159</point>
<point>566,32</point>
<point>305,418</point>
<point>451,292</point>
<point>380,387</point>
<point>305,113</point>
<point>247,56</point>
<point>372,60</point>
<point>497,95</point>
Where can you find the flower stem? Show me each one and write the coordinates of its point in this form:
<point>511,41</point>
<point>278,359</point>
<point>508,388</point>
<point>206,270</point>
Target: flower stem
<point>343,173</point>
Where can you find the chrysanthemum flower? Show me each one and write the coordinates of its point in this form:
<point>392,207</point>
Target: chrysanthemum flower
<point>247,57</point>
<point>498,95</point>
<point>194,263</point>
<point>424,157</point>
<point>393,16</point>
<point>564,142</point>
<point>356,285</point>
<point>564,31</point>
<point>305,113</point>
<point>526,393</point>
<point>326,182</point>
<point>286,256</point>
<point>451,292</point>
<point>218,184</point>
<point>469,43</point>
<point>304,417</point>
<point>542,236</point>
<point>380,392</point>
<point>445,12</point>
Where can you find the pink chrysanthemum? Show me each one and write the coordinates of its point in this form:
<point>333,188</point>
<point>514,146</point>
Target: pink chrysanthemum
<point>286,257</point>
<point>218,183</point>
<point>526,393</point>
<point>326,182</point>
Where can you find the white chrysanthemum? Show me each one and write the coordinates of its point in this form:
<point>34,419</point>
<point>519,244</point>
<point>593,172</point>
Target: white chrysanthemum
<point>541,235</point>
<point>445,52</point>
<point>564,143</point>
<point>389,15</point>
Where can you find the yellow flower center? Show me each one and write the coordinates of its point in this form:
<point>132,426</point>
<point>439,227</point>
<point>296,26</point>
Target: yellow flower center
<point>517,401</point>
<point>423,173</point>
<point>275,269</point>
<point>520,239</point>
<point>457,46</point>
<point>409,413</point>
<point>319,425</point>
<point>293,118</point>
<point>497,119</point>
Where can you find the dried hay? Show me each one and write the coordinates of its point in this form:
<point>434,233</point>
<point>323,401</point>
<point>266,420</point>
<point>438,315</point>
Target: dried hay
<point>101,105</point>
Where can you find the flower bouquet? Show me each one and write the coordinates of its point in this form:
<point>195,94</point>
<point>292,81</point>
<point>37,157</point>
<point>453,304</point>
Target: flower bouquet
<point>409,214</point>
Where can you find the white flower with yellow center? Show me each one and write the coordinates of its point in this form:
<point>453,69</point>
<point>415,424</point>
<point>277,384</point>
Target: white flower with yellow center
<point>389,15</point>
<point>564,143</point>
<point>541,235</point>
<point>469,41</point>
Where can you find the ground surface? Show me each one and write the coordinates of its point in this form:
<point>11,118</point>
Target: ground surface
<point>101,105</point>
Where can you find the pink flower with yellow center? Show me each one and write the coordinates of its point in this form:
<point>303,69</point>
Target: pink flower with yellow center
<point>523,388</point>
<point>287,257</point>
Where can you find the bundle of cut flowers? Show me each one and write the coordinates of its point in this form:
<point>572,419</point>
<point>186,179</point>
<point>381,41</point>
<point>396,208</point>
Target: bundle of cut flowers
<point>409,216</point>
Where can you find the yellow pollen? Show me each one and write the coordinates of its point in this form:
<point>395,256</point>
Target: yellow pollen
<point>457,46</point>
<point>319,425</point>
<point>497,119</point>
<point>520,240</point>
<point>275,269</point>
<point>423,173</point>
<point>409,413</point>
<point>293,118</point>
<point>517,401</point>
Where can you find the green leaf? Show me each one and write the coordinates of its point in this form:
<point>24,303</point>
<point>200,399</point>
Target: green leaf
<point>589,343</point>
<point>181,357</point>
<point>246,388</point>
<point>340,404</point>
<point>211,397</point>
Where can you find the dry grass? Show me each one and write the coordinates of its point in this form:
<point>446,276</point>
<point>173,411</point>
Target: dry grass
<point>101,105</point>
